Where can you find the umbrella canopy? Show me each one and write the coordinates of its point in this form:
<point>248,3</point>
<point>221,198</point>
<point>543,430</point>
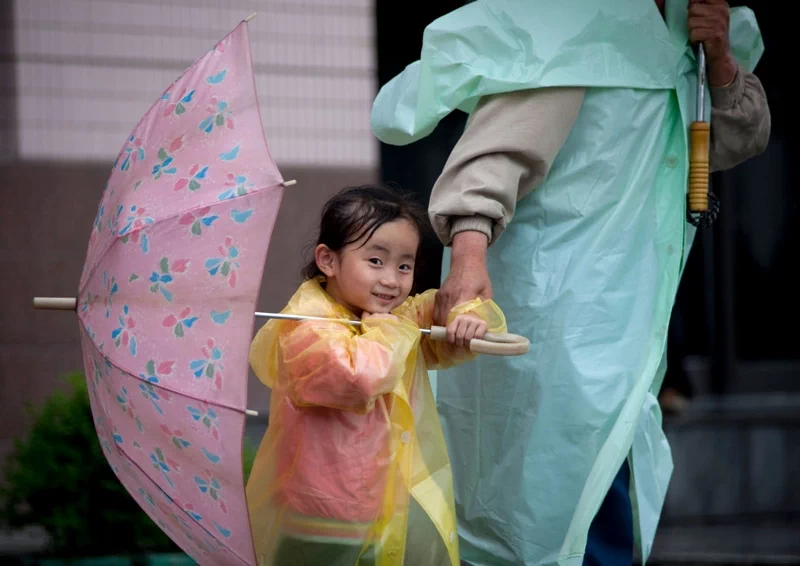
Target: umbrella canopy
<point>167,296</point>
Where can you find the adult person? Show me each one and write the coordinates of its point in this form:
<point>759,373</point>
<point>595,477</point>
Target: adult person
<point>578,131</point>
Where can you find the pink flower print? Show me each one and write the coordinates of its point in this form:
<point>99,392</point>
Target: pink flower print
<point>159,280</point>
<point>211,366</point>
<point>238,185</point>
<point>198,219</point>
<point>87,305</point>
<point>189,508</point>
<point>177,323</point>
<point>127,406</point>
<point>165,527</point>
<point>176,436</point>
<point>148,498</point>
<point>133,152</point>
<point>222,45</point>
<point>154,396</point>
<point>111,288</point>
<point>220,115</point>
<point>123,334</point>
<point>179,520</point>
<point>96,373</point>
<point>97,225</point>
<point>112,222</point>
<point>153,373</point>
<point>98,219</point>
<point>164,465</point>
<point>92,239</point>
<point>209,485</point>
<point>132,231</point>
<point>106,446</point>
<point>218,78</point>
<point>179,107</point>
<point>165,166</point>
<point>196,174</point>
<point>91,334</point>
<point>137,219</point>
<point>226,265</point>
<point>207,416</point>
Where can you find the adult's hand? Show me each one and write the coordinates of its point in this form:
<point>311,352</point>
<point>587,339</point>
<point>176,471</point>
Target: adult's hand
<point>468,277</point>
<point>709,22</point>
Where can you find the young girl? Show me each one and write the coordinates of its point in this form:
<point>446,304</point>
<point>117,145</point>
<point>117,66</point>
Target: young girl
<point>353,468</point>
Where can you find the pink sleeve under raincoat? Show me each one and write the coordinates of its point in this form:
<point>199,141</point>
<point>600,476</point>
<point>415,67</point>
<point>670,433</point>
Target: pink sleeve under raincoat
<point>354,455</point>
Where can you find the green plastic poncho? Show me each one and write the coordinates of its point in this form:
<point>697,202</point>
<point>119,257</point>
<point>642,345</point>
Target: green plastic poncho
<point>588,268</point>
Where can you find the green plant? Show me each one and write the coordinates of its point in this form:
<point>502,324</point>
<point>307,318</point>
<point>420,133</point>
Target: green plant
<point>58,477</point>
<point>248,457</point>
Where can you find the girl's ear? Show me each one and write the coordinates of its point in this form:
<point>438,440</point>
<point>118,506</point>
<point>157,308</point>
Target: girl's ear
<point>326,260</point>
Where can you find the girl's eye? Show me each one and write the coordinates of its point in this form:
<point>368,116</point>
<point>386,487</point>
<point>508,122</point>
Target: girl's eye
<point>406,267</point>
<point>375,261</point>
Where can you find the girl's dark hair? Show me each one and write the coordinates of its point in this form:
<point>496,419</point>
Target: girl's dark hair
<point>356,211</point>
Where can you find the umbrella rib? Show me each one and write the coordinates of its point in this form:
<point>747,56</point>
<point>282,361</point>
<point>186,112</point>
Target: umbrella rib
<point>158,385</point>
<point>116,237</point>
<point>171,499</point>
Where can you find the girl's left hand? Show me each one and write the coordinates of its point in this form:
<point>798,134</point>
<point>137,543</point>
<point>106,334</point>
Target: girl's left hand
<point>464,328</point>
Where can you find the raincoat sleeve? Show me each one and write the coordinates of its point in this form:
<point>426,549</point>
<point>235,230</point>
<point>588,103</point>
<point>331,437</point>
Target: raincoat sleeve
<point>327,364</point>
<point>740,121</point>
<point>506,151</point>
<point>440,354</point>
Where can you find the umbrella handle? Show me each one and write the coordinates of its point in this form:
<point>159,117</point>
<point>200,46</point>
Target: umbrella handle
<point>699,133</point>
<point>492,343</point>
<point>55,303</point>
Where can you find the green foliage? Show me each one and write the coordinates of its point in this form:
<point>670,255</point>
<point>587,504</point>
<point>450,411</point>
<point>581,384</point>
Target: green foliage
<point>58,478</point>
<point>248,457</point>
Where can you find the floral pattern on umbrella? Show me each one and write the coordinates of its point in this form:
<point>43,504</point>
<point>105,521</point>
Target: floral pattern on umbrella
<point>167,296</point>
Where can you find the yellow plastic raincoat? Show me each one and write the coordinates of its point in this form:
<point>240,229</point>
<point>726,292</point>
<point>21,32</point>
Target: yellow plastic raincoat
<point>353,466</point>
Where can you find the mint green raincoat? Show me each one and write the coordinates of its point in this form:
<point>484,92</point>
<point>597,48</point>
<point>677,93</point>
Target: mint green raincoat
<point>588,268</point>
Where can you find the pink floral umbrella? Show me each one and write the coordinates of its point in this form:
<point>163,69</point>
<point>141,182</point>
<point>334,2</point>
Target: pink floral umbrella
<point>167,296</point>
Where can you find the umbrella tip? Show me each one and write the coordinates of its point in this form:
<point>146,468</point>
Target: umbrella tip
<point>251,413</point>
<point>250,17</point>
<point>289,183</point>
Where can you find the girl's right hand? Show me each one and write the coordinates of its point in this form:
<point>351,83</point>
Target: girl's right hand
<point>464,328</point>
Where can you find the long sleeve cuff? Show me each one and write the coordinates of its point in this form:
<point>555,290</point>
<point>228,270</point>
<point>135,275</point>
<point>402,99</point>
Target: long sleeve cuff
<point>726,97</point>
<point>476,223</point>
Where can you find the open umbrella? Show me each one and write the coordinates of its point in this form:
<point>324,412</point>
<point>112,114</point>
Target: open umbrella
<point>167,296</point>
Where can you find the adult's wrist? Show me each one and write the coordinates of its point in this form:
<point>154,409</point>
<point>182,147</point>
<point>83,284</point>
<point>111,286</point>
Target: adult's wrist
<point>469,245</point>
<point>722,72</point>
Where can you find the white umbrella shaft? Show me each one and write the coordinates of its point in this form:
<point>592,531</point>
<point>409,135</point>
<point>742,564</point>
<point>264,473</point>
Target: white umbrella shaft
<point>303,317</point>
<point>701,82</point>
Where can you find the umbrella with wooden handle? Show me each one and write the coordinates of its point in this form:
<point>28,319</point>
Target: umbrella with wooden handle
<point>703,206</point>
<point>497,344</point>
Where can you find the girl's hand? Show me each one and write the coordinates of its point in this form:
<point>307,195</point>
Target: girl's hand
<point>464,328</point>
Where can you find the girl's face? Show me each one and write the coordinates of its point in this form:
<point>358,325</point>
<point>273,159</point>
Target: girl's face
<point>375,275</point>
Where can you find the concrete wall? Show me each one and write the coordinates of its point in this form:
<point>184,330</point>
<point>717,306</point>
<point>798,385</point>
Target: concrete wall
<point>86,70</point>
